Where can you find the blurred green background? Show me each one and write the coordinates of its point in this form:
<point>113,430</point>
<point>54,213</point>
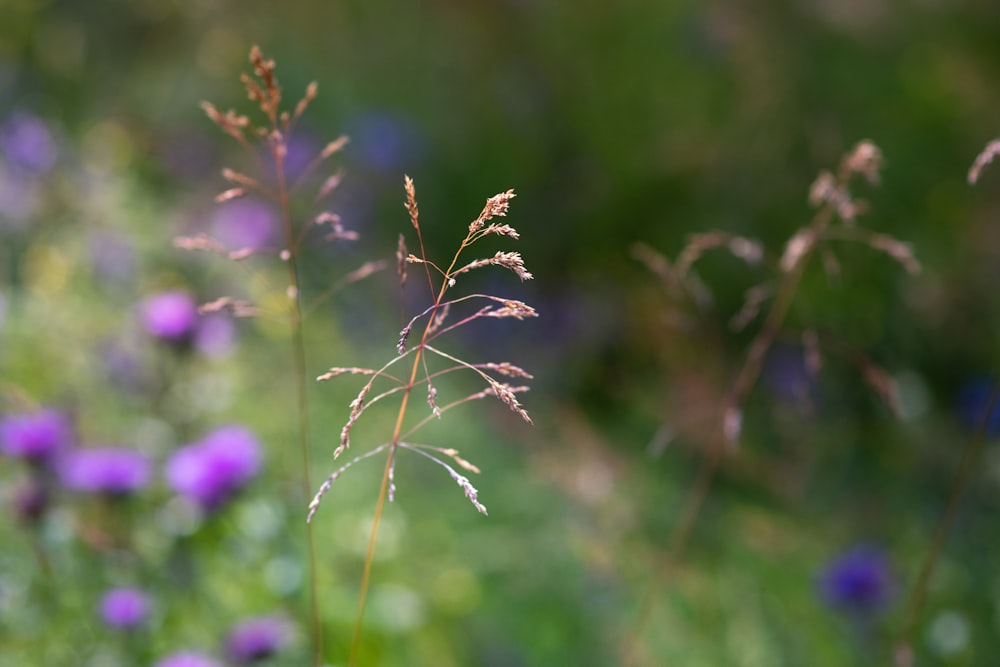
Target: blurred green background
<point>616,123</point>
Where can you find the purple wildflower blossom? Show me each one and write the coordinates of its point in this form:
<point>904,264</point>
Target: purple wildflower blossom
<point>26,142</point>
<point>186,659</point>
<point>109,470</point>
<point>858,581</point>
<point>215,335</point>
<point>973,403</point>
<point>216,467</point>
<point>171,316</point>
<point>30,501</point>
<point>245,223</point>
<point>383,140</point>
<point>124,608</point>
<point>256,638</point>
<point>37,436</point>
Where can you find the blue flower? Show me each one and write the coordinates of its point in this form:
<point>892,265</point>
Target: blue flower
<point>858,581</point>
<point>973,402</point>
<point>212,470</point>
<point>109,470</point>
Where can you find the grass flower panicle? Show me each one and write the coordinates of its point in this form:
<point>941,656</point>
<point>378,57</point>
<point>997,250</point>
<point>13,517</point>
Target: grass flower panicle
<point>427,363</point>
<point>434,318</point>
<point>836,219</point>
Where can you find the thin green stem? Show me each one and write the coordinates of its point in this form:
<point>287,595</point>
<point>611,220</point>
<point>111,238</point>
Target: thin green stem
<point>299,360</point>
<point>397,430</point>
<point>918,597</point>
<point>744,382</point>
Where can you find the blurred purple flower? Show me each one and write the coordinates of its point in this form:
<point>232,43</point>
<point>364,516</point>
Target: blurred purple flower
<point>256,638</point>
<point>212,470</point>
<point>215,335</point>
<point>31,501</point>
<point>303,148</point>
<point>20,199</point>
<point>859,581</point>
<point>171,316</point>
<point>112,256</point>
<point>787,375</point>
<point>383,141</point>
<point>973,402</point>
<point>37,436</point>
<point>26,142</point>
<point>245,223</point>
<point>186,659</point>
<point>124,608</point>
<point>108,470</point>
<point>188,155</point>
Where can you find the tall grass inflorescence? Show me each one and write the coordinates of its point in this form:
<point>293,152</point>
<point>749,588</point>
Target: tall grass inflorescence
<point>446,313</point>
<point>277,185</point>
<point>424,362</point>
<point>836,219</point>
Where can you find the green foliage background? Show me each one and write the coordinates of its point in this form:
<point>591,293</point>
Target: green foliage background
<point>616,123</point>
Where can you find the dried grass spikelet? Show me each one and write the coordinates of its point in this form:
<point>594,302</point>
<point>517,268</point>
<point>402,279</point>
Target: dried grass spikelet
<point>797,247</point>
<point>411,202</point>
<point>508,395</point>
<point>236,307</point>
<point>230,122</point>
<point>984,158</point>
<point>357,407</point>
<point>266,92</point>
<point>865,159</point>
<point>753,299</point>
<point>512,308</point>
<point>199,242</point>
<point>508,260</point>
<point>496,206</point>
<point>899,251</point>
<point>749,250</point>
<point>440,317</point>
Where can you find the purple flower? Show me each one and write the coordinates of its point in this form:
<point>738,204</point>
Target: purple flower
<point>383,140</point>
<point>171,316</point>
<point>974,401</point>
<point>30,501</point>
<point>186,659</point>
<point>34,436</point>
<point>109,470</point>
<point>112,256</point>
<point>213,469</point>
<point>787,374</point>
<point>215,335</point>
<point>124,608</point>
<point>256,638</point>
<point>26,142</point>
<point>245,223</point>
<point>858,581</point>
